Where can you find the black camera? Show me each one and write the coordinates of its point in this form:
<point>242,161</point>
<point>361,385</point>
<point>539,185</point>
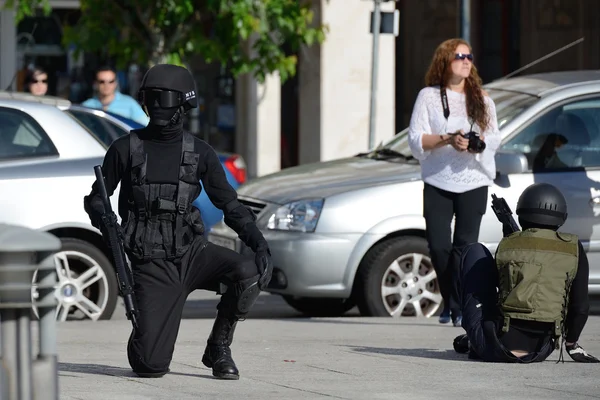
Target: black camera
<point>476,145</point>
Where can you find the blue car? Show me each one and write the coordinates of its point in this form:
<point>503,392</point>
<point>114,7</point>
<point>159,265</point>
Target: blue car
<point>108,126</point>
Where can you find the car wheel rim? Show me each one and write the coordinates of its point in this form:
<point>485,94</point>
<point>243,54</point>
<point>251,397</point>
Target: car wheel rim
<point>409,287</point>
<point>82,287</point>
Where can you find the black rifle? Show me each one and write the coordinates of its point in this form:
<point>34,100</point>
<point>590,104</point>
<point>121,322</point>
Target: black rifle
<point>504,214</point>
<point>109,220</point>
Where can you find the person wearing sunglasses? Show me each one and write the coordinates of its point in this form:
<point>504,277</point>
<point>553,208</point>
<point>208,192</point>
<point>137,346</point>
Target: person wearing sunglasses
<point>37,81</point>
<point>109,98</point>
<point>454,134</point>
<point>159,168</point>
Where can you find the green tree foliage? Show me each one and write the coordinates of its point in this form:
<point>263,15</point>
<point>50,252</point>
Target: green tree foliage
<point>247,36</point>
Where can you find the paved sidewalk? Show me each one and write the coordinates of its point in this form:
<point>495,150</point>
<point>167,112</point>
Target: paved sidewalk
<point>339,358</point>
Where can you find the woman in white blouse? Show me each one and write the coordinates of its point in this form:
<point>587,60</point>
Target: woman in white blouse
<point>456,178</point>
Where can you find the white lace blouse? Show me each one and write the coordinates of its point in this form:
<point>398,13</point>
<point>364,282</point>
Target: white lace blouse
<point>445,167</point>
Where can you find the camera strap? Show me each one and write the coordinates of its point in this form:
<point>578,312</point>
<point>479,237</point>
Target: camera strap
<point>446,107</point>
<point>445,103</point>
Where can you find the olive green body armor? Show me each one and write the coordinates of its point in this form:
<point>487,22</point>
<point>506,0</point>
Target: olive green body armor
<point>536,268</point>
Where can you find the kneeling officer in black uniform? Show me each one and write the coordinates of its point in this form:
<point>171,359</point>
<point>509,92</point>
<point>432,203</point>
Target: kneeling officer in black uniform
<point>159,168</point>
<point>521,306</point>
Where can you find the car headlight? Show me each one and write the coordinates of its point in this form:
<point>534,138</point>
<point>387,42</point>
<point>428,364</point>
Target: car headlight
<point>301,216</point>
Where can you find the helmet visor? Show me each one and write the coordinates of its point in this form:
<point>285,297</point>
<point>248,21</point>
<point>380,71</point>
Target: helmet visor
<point>164,98</point>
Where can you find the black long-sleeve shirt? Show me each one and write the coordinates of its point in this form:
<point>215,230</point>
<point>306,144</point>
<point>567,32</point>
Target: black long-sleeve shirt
<point>164,154</point>
<point>526,336</point>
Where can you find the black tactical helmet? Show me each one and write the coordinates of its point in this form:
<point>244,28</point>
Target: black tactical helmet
<point>168,86</point>
<point>542,204</point>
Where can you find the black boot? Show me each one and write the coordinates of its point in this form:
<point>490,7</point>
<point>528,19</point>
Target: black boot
<point>217,354</point>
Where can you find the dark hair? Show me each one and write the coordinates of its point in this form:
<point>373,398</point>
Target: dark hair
<point>32,73</point>
<point>439,72</point>
<point>106,68</point>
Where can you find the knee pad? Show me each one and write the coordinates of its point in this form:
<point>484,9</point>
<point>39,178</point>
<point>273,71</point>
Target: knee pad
<point>247,294</point>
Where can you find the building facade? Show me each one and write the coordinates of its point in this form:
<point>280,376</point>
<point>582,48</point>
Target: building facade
<point>323,112</point>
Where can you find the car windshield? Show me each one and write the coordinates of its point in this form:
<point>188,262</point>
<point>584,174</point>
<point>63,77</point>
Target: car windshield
<point>508,105</point>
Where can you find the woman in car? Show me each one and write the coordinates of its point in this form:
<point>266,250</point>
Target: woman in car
<point>456,171</point>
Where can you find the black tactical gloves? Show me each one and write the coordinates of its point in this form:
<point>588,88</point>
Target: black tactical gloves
<point>264,264</point>
<point>461,344</point>
<point>578,354</point>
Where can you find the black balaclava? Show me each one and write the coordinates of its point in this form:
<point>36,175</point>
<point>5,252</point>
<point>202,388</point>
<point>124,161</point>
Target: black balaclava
<point>168,77</point>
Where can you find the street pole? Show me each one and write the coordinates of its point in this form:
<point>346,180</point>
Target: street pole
<point>374,67</point>
<point>465,20</point>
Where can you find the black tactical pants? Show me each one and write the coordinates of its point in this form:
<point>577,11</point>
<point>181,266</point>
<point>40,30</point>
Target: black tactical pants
<point>476,288</point>
<point>161,289</point>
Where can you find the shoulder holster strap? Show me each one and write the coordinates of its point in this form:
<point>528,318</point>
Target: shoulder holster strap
<point>185,188</point>
<point>138,180</point>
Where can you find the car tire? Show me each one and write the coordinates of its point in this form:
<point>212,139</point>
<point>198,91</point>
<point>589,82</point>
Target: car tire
<point>390,266</point>
<point>320,307</point>
<point>99,286</point>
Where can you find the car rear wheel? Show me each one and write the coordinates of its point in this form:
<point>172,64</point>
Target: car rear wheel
<point>396,278</point>
<point>87,285</point>
<point>320,307</point>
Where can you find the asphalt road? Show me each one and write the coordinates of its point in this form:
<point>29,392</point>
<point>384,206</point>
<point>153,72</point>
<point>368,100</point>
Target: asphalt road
<point>317,358</point>
<point>202,304</point>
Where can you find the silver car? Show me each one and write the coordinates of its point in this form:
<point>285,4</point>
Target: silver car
<point>46,167</point>
<point>351,232</point>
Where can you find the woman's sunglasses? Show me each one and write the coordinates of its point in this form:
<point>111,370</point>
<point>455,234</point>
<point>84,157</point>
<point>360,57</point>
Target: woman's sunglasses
<point>462,56</point>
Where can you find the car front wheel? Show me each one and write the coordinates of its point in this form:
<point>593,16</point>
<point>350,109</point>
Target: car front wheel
<point>86,283</point>
<point>396,278</point>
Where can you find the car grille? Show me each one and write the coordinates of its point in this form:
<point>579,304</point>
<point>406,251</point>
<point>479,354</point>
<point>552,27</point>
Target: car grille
<point>255,206</point>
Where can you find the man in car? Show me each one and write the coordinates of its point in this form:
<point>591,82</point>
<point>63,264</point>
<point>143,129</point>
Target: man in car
<point>160,168</point>
<point>534,296</point>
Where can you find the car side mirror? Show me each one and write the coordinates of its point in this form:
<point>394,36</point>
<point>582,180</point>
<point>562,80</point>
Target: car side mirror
<point>511,163</point>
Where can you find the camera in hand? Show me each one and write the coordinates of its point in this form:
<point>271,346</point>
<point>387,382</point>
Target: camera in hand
<point>476,145</point>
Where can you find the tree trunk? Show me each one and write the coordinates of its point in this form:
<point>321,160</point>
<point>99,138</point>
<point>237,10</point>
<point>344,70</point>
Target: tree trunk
<point>158,53</point>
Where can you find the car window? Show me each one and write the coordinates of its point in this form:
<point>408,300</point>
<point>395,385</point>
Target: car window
<point>22,137</point>
<point>567,136</point>
<point>117,129</point>
<point>96,125</point>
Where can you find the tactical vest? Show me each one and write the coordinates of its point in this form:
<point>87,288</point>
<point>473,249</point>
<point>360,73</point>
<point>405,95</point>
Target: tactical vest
<point>161,221</point>
<point>536,268</point>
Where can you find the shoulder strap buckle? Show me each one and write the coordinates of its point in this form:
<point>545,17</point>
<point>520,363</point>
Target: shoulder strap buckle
<point>182,205</point>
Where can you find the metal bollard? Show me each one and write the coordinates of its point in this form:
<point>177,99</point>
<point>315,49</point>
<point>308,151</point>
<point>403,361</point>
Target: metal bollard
<point>24,251</point>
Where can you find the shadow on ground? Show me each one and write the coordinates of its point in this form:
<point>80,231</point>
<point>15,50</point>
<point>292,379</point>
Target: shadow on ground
<point>274,307</point>
<point>99,369</point>
<point>444,354</point>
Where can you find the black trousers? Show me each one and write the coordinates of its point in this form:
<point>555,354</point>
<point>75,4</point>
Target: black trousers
<point>161,289</point>
<point>475,286</point>
<point>439,207</point>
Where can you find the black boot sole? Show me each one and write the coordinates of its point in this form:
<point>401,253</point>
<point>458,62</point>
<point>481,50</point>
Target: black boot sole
<point>208,364</point>
<point>230,377</point>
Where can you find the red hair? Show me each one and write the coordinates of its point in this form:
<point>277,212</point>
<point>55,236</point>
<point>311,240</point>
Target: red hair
<point>439,73</point>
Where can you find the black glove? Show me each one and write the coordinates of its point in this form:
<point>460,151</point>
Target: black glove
<point>461,344</point>
<point>578,354</point>
<point>107,220</point>
<point>264,265</point>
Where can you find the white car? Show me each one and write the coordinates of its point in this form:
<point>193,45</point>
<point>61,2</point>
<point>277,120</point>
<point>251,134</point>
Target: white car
<point>46,168</point>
